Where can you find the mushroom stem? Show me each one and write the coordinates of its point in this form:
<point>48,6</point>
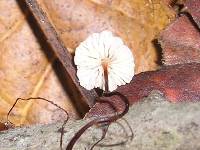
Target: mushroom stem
<point>106,80</point>
<point>105,63</point>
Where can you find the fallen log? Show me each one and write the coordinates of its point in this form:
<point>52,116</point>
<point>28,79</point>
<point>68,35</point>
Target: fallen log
<point>156,123</point>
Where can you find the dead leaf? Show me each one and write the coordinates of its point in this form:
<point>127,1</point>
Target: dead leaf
<point>180,42</point>
<point>177,83</point>
<point>26,67</point>
<point>137,22</point>
<point>26,71</point>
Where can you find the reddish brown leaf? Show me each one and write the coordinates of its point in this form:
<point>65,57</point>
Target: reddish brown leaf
<point>180,42</point>
<point>177,83</point>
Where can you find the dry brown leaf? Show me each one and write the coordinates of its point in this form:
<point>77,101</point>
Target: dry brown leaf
<point>26,71</point>
<point>180,42</point>
<point>137,22</point>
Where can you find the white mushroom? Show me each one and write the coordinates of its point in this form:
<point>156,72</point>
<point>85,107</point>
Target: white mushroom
<point>103,59</point>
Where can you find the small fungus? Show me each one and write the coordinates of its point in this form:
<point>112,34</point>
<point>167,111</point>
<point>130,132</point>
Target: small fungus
<point>103,56</point>
<point>103,61</point>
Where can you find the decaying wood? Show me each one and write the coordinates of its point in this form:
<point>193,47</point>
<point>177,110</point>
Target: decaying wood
<point>78,93</point>
<point>156,123</point>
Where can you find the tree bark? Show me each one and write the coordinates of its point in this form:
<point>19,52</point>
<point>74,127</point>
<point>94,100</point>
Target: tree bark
<point>157,125</point>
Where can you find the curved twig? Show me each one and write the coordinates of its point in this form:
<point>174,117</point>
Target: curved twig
<point>122,142</point>
<point>104,131</point>
<point>8,122</point>
<point>129,126</point>
<point>101,120</point>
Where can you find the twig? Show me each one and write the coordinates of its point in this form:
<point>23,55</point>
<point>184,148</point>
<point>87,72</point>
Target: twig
<point>61,52</point>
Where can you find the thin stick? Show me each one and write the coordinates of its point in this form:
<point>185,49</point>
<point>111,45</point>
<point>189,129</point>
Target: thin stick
<point>129,126</point>
<point>9,124</point>
<point>62,133</point>
<point>104,131</point>
<point>119,143</point>
<point>61,51</point>
<point>34,98</point>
